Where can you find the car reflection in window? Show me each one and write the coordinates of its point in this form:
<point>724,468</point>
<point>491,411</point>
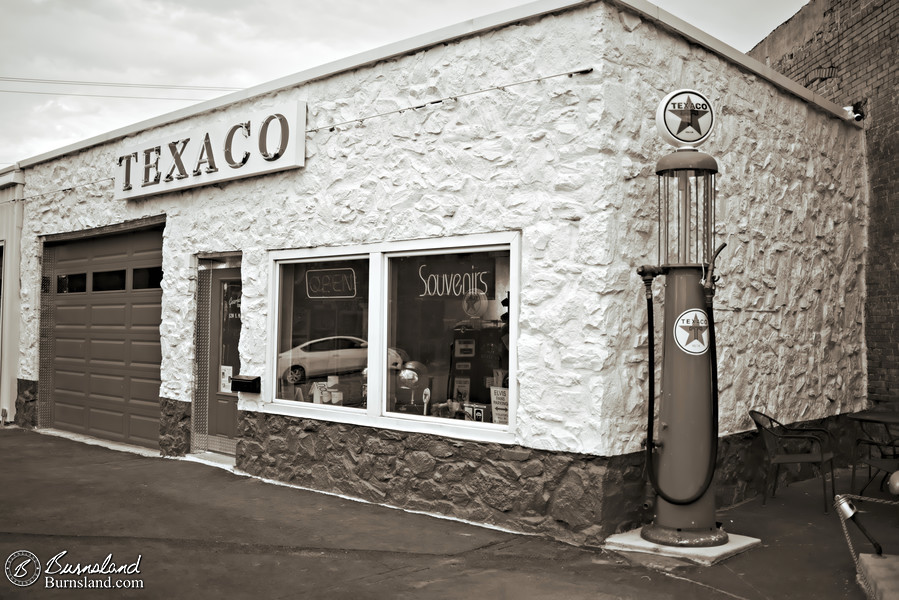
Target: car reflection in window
<point>325,356</point>
<point>330,356</point>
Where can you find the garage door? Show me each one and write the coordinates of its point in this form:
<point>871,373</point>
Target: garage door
<point>105,312</point>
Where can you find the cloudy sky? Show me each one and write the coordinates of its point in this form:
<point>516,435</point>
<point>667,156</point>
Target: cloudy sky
<point>180,45</point>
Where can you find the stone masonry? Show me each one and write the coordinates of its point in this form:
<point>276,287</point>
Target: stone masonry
<point>26,403</point>
<point>576,498</point>
<point>174,427</point>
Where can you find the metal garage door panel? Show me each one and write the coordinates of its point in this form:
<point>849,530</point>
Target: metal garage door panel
<point>111,386</point>
<point>146,315</point>
<point>70,348</point>
<point>144,430</point>
<point>70,415</point>
<point>71,381</point>
<point>145,391</point>
<point>109,315</point>
<point>107,423</point>
<point>71,315</point>
<point>146,354</point>
<point>106,350</point>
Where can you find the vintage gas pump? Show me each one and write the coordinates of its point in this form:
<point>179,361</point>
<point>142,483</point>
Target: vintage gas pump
<point>680,463</point>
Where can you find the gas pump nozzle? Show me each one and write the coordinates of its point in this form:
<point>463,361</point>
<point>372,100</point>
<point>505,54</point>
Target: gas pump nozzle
<point>708,283</point>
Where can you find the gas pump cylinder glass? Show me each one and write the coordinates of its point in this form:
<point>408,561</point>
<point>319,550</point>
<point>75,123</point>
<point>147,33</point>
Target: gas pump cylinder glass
<point>686,205</point>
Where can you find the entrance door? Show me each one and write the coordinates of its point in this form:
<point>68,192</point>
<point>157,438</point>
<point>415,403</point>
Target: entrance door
<point>224,360</point>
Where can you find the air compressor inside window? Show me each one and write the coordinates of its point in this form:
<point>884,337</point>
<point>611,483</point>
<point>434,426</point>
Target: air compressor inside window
<point>448,329</point>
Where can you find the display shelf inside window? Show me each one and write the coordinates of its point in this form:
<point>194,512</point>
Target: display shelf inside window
<point>323,333</point>
<point>449,315</point>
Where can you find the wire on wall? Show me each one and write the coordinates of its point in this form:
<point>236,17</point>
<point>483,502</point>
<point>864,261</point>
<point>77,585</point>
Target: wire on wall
<point>333,126</point>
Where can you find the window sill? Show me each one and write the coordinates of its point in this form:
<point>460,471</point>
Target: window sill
<point>480,432</point>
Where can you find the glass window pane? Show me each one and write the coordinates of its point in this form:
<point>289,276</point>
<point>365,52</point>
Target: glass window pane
<point>71,284</point>
<point>323,332</point>
<point>147,278</point>
<point>229,353</point>
<point>448,336</point>
<point>108,281</point>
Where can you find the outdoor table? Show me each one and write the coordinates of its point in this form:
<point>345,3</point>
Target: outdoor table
<point>879,424</point>
<point>885,418</point>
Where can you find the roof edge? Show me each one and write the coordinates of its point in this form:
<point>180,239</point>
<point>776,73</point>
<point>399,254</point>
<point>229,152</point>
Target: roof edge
<point>680,27</point>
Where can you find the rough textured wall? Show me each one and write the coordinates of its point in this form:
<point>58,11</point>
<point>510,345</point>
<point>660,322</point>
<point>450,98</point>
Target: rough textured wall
<point>848,51</point>
<point>569,162</point>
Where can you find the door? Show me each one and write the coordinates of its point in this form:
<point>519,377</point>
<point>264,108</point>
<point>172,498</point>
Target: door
<point>224,359</point>
<point>103,336</point>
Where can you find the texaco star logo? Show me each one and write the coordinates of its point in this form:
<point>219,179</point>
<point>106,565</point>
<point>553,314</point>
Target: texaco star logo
<point>475,303</point>
<point>691,331</point>
<point>690,115</point>
<point>685,118</point>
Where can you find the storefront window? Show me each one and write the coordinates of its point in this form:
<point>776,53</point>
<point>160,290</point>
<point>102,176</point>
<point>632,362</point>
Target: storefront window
<point>448,313</point>
<point>323,333</point>
<point>414,335</point>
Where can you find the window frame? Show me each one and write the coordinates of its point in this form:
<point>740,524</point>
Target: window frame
<point>375,414</point>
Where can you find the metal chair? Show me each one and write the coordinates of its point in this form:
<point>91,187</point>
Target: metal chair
<point>793,445</point>
<point>879,456</point>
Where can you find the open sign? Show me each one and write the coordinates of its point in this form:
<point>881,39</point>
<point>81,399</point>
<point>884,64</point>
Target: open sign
<point>331,283</point>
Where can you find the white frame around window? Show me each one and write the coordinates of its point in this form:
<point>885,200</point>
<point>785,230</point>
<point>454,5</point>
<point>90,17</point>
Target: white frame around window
<point>375,415</point>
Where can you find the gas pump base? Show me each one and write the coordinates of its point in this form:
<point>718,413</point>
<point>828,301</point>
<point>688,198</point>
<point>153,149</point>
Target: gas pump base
<point>632,541</point>
<point>685,538</point>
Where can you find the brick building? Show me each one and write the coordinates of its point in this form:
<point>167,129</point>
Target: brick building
<point>845,50</point>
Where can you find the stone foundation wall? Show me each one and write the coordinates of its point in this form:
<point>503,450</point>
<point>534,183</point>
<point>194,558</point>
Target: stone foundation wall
<point>174,427</point>
<point>26,403</point>
<point>576,498</point>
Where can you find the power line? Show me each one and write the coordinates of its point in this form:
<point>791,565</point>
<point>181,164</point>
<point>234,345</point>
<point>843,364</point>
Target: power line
<point>362,119</point>
<point>124,85</point>
<point>101,95</point>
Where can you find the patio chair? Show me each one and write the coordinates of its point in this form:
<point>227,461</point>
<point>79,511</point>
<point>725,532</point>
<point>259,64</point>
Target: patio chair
<point>794,445</point>
<point>879,456</point>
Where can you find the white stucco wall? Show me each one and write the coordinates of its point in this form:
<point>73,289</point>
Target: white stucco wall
<point>569,162</point>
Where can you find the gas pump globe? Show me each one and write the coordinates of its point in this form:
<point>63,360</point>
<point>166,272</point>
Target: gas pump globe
<point>681,458</point>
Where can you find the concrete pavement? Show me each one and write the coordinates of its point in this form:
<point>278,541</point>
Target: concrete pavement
<point>206,532</point>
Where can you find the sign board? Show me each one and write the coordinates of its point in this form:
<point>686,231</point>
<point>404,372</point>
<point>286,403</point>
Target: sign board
<point>331,283</point>
<point>270,140</point>
<point>685,118</point>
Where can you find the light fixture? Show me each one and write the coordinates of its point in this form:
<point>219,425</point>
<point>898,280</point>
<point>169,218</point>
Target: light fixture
<point>855,111</point>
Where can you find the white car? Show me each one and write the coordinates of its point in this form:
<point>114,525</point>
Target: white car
<point>330,356</point>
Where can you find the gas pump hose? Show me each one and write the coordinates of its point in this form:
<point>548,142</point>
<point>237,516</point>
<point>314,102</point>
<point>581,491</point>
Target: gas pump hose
<point>648,274</point>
